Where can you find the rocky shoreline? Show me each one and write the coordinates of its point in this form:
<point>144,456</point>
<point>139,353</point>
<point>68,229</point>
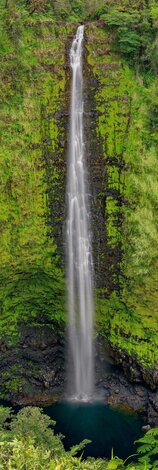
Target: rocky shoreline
<point>124,383</point>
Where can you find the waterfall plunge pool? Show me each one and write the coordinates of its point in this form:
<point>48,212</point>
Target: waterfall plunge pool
<point>108,428</point>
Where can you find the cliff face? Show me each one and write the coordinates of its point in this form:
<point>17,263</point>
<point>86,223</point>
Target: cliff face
<point>123,178</point>
<point>34,123</point>
<point>121,157</point>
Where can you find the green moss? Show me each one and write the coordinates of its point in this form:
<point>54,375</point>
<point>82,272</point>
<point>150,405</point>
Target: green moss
<point>127,330</point>
<point>32,178</point>
<point>33,83</point>
<point>126,128</point>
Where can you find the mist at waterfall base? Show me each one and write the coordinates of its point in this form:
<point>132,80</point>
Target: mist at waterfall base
<point>105,426</point>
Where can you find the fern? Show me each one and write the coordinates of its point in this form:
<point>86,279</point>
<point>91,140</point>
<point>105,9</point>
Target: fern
<point>77,448</point>
<point>148,448</point>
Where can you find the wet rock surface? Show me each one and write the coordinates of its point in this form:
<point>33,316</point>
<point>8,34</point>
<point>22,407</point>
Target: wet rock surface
<point>34,371</point>
<point>121,384</point>
<point>37,367</point>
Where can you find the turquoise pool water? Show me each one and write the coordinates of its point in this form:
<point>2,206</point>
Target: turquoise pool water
<point>105,426</point>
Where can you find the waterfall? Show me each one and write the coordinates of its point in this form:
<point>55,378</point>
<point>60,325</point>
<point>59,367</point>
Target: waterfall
<point>79,240</point>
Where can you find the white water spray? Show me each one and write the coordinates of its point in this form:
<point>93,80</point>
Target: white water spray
<point>78,241</point>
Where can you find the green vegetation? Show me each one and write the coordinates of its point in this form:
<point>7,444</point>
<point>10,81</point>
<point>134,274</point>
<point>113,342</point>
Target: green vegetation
<point>27,440</point>
<point>126,101</point>
<point>135,30</point>
<point>121,41</point>
<point>32,286</point>
<point>70,10</point>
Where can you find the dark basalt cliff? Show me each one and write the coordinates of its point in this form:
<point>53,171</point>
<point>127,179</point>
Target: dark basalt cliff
<point>33,195</point>
<point>38,365</point>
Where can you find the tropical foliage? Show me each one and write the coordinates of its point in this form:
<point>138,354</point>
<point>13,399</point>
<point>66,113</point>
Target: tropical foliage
<point>27,440</point>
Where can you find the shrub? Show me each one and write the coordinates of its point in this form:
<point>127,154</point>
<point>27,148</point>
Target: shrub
<point>32,422</point>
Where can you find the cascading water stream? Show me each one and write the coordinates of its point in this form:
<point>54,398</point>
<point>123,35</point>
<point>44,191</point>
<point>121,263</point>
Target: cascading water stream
<point>79,241</point>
